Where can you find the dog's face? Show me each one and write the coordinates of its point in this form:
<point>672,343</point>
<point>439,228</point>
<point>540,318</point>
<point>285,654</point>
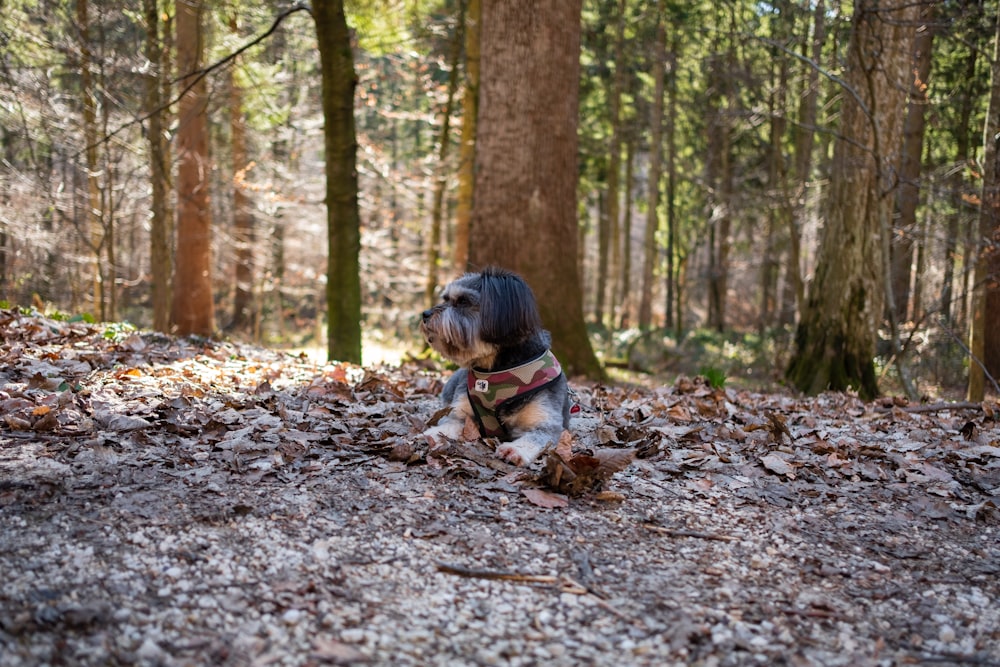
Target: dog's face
<point>479,314</point>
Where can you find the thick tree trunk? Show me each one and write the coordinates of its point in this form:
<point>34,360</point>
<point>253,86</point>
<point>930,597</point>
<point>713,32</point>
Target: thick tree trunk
<point>467,151</point>
<point>524,216</point>
<point>343,287</point>
<point>836,338</point>
<point>193,309</point>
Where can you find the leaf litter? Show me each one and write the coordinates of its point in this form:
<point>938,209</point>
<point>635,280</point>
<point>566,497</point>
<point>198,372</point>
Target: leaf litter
<point>178,501</point>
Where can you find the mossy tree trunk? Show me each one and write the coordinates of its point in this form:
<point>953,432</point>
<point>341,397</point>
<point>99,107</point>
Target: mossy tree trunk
<point>159,152</point>
<point>835,341</point>
<point>343,286</point>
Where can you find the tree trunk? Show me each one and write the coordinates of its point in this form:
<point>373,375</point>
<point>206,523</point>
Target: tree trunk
<point>608,241</point>
<point>655,171</point>
<point>524,216</point>
<point>672,276</point>
<point>193,309</point>
<point>835,342</point>
<point>984,338</point>
<point>718,175</point>
<point>441,181</point>
<point>958,187</point>
<point>804,134</point>
<point>243,229</point>
<point>625,282</point>
<point>908,194</point>
<point>343,286</point>
<point>778,214</point>
<point>467,151</point>
<point>88,93</point>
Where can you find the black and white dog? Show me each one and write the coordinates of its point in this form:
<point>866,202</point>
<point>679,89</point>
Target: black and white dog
<point>509,380</point>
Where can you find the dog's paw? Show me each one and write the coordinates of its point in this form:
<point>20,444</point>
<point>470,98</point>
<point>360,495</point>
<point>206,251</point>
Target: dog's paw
<point>520,453</point>
<point>452,428</point>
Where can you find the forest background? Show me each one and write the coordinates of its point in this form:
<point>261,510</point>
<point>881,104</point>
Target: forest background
<point>707,169</point>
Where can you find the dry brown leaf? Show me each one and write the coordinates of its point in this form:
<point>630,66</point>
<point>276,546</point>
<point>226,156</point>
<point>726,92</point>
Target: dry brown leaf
<point>546,499</point>
<point>578,473</point>
<point>777,427</point>
<point>470,431</point>
<point>564,448</point>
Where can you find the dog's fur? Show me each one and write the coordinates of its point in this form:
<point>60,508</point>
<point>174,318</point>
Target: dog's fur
<point>489,321</point>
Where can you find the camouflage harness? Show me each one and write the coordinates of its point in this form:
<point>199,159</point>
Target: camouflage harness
<point>488,391</point>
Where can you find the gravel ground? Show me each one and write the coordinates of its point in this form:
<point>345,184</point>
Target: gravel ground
<point>216,506</point>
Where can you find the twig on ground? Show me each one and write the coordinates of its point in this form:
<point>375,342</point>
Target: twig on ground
<point>676,532</point>
<point>495,575</point>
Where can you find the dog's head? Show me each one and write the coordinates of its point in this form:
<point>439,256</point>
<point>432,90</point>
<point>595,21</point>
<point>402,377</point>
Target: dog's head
<point>479,314</point>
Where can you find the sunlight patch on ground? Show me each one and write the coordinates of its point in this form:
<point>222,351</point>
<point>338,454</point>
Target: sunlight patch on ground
<point>373,353</point>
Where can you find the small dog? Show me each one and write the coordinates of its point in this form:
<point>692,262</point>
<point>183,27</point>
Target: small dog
<point>509,382</point>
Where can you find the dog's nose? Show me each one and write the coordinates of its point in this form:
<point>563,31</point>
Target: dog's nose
<point>426,315</point>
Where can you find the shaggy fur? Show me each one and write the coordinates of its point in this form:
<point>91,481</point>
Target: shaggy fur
<point>489,321</point>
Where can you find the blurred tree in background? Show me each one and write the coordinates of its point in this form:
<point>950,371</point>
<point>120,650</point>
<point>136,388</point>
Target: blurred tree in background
<point>709,140</point>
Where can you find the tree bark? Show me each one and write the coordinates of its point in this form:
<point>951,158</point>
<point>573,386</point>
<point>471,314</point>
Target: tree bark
<point>343,286</point>
<point>984,338</point>
<point>624,278</point>
<point>193,309</point>
<point>441,180</point>
<point>655,171</point>
<point>524,216</point>
<point>719,176</point>
<point>243,228</point>
<point>958,187</point>
<point>467,151</point>
<point>672,275</point>
<point>908,194</point>
<point>804,135</point>
<point>779,215</point>
<point>835,342</point>
<point>93,211</point>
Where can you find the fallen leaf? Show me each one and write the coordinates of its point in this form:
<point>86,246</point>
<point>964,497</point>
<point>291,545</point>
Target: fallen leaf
<point>546,499</point>
<point>578,473</point>
<point>470,430</point>
<point>778,465</point>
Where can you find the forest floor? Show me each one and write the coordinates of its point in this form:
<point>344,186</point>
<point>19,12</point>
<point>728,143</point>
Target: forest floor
<point>177,502</point>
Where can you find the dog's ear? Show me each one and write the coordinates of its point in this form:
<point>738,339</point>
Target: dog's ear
<point>507,308</point>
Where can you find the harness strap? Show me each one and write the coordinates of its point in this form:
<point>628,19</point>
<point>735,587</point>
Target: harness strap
<point>489,390</point>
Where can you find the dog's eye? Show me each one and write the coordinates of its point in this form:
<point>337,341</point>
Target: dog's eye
<point>462,301</point>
